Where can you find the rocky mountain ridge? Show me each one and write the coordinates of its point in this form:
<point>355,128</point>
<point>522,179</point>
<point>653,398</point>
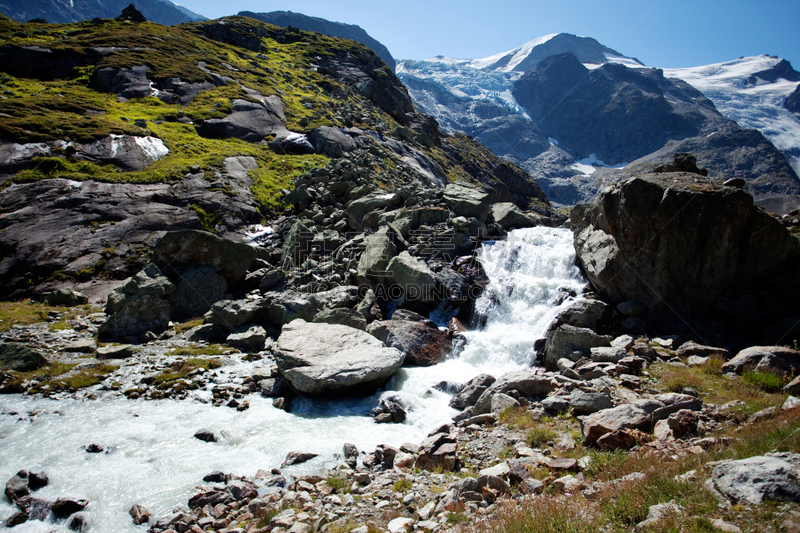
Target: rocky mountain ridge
<point>61,11</point>
<point>325,27</point>
<point>483,102</point>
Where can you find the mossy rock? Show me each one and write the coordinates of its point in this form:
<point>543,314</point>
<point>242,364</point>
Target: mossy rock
<point>20,358</point>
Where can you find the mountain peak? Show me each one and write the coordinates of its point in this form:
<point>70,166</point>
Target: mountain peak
<point>527,56</point>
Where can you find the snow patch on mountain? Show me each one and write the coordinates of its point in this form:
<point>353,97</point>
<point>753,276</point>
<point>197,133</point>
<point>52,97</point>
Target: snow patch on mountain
<point>588,165</point>
<point>750,101</point>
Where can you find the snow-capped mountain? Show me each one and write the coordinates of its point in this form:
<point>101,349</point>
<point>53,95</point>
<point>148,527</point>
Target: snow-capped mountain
<point>561,119</point>
<point>752,91</point>
<point>527,56</point>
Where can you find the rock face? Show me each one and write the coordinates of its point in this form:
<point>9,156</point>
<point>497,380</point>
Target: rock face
<point>333,360</point>
<point>55,12</point>
<point>249,121</point>
<point>792,102</point>
<point>680,242</point>
<point>757,479</point>
<point>179,250</point>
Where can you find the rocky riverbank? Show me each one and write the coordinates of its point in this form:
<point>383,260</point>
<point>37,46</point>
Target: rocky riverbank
<point>622,400</point>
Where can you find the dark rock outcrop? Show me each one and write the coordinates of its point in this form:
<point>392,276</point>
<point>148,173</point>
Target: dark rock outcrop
<point>421,342</point>
<point>792,102</point>
<point>249,121</point>
<point>19,357</point>
<point>132,14</point>
<point>180,251</point>
<point>684,244</point>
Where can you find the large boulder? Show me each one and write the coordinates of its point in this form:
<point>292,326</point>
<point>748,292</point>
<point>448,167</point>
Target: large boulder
<point>572,343</point>
<point>627,416</point>
<point>678,243</point>
<point>526,383</point>
<point>509,216</point>
<point>178,251</point>
<point>138,305</point>
<point>333,360</point>
<point>754,480</point>
<point>20,358</point>
<point>422,342</point>
<point>331,141</point>
<point>197,290</point>
<point>380,249</point>
<point>232,314</point>
<point>357,209</point>
<point>467,201</point>
<point>471,391</point>
<point>413,276</point>
<point>764,359</point>
<point>249,121</point>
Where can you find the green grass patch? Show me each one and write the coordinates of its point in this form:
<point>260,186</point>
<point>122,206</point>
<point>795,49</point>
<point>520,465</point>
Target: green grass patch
<point>540,436</point>
<point>181,369</point>
<point>196,351</point>
<point>518,418</point>
<point>27,312</point>
<point>402,485</point>
<point>715,387</point>
<point>186,326</point>
<point>765,381</point>
<point>338,483</point>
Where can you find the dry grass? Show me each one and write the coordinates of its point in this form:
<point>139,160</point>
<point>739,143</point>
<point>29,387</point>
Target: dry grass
<point>715,387</point>
<point>663,476</point>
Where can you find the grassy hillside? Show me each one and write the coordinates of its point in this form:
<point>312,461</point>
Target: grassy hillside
<point>41,110</point>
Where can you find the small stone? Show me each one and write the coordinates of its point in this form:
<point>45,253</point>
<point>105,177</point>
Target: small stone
<point>206,435</point>
<point>118,351</point>
<point>727,527</point>
<point>563,465</point>
<point>531,486</point>
<point>791,403</point>
<point>296,458</point>
<point>400,525</point>
<point>140,514</point>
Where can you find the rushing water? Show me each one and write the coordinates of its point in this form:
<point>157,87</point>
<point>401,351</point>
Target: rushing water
<point>154,460</point>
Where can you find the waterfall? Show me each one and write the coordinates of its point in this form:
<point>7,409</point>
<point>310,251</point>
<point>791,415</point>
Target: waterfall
<point>154,460</point>
<point>530,273</point>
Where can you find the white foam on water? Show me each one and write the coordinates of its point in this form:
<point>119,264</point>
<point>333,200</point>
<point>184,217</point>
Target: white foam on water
<point>154,460</point>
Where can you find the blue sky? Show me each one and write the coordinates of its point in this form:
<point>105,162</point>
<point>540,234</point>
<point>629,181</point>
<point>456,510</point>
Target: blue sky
<point>662,33</point>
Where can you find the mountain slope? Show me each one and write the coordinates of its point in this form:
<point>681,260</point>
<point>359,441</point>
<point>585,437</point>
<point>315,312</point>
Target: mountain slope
<point>61,11</point>
<point>325,27</point>
<point>112,132</point>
